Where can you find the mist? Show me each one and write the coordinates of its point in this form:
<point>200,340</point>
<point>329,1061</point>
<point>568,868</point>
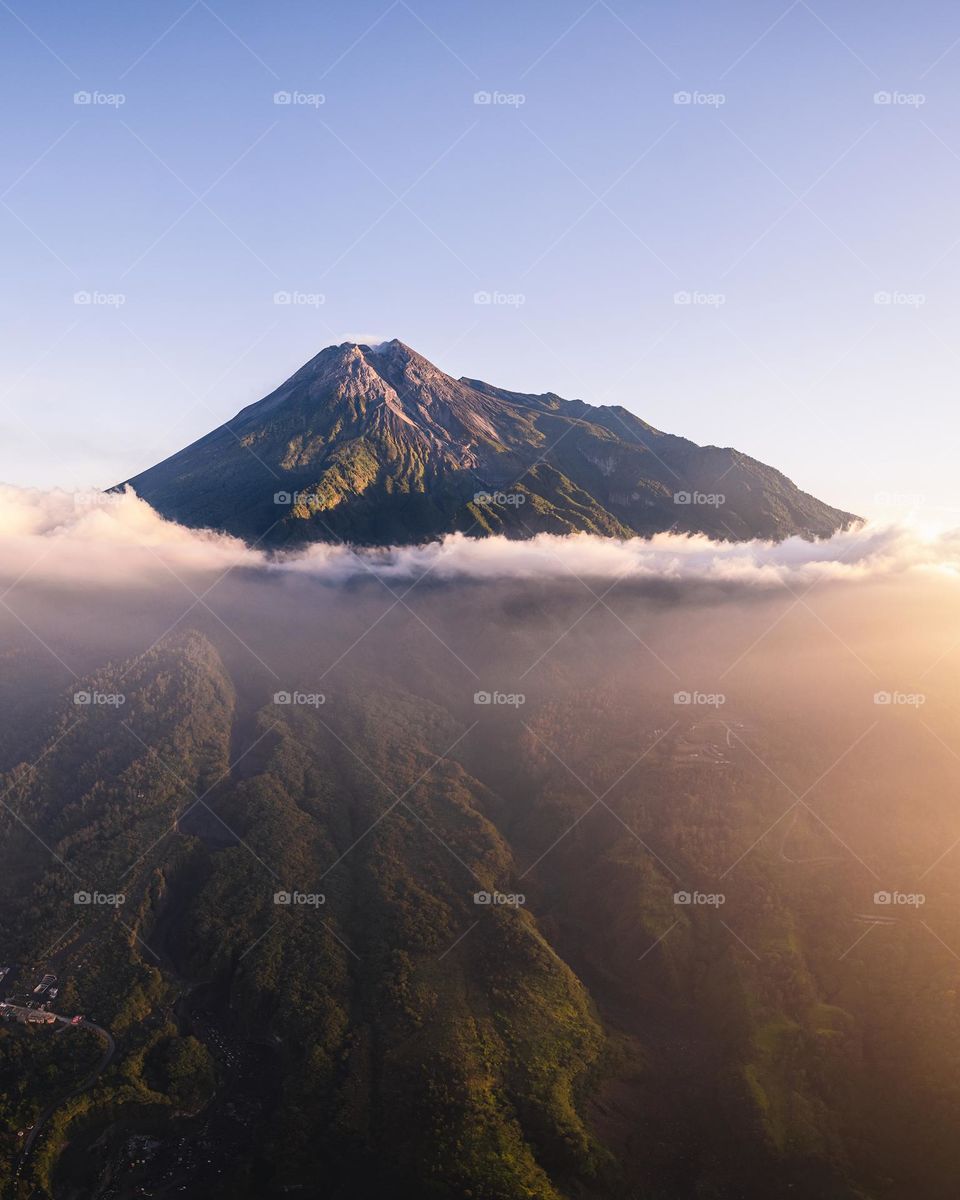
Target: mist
<point>875,601</point>
<point>599,726</point>
<point>810,629</point>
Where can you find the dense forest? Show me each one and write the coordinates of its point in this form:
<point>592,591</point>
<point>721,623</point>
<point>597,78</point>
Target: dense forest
<point>590,941</point>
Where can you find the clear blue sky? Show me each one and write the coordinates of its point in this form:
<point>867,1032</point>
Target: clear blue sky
<point>595,200</point>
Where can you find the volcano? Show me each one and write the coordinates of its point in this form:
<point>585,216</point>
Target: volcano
<point>374,445</point>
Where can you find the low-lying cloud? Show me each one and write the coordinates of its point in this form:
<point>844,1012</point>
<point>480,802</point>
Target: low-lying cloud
<point>89,537</point>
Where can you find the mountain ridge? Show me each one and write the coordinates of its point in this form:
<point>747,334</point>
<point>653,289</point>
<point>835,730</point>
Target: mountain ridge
<point>375,445</point>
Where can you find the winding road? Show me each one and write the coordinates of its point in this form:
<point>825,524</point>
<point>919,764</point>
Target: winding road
<point>111,1046</point>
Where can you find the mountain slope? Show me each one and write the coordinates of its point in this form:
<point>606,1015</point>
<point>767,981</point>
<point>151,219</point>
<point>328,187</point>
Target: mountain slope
<point>375,445</point>
<point>603,1040</point>
<point>398,1062</point>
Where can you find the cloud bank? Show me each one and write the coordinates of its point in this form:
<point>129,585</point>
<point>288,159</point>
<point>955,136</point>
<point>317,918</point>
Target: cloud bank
<point>88,537</point>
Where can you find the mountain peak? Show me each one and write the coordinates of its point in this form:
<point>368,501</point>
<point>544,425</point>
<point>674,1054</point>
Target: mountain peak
<point>395,355</point>
<point>378,446</point>
<point>393,346</point>
<point>388,359</point>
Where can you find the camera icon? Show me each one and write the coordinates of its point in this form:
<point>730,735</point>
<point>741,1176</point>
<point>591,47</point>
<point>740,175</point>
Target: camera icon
<point>483,97</point>
<point>82,97</point>
<point>283,97</point>
<point>482,698</point>
<point>282,698</point>
<point>683,697</point>
<point>282,898</point>
<point>682,497</point>
<point>82,898</point>
<point>282,498</point>
<point>82,697</point>
<point>482,298</point>
<point>282,298</point>
<point>883,697</point>
<point>882,97</point>
<point>682,898</point>
<point>682,97</point>
<point>882,898</point>
<point>482,898</point>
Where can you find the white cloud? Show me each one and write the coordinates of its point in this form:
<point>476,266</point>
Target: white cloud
<point>112,540</point>
<point>373,340</point>
<point>865,553</point>
<point>89,536</point>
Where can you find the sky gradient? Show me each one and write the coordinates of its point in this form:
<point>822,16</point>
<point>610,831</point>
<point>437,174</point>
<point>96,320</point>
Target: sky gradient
<point>814,229</point>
